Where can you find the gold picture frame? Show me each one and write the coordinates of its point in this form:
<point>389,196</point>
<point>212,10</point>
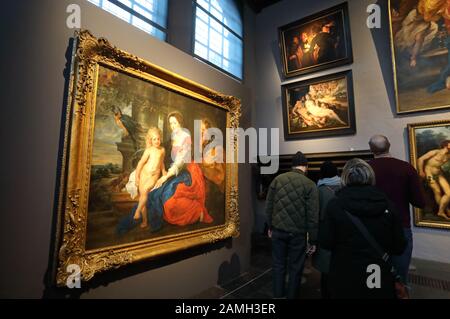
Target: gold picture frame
<point>319,107</point>
<point>426,139</point>
<point>93,57</point>
<point>420,79</point>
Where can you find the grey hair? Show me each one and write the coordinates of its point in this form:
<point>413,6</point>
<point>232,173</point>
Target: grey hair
<point>357,172</point>
<point>379,144</point>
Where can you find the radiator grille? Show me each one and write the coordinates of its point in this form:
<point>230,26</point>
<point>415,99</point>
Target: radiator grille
<point>429,282</point>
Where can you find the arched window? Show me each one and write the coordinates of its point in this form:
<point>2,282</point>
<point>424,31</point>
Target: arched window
<point>148,15</point>
<point>219,34</point>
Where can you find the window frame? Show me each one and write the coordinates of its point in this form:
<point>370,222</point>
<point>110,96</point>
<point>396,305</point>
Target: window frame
<point>142,17</point>
<point>194,16</point>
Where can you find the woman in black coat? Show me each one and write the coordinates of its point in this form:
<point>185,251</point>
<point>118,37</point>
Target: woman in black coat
<point>351,253</point>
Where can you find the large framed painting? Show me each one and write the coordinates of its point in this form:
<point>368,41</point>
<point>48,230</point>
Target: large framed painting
<point>319,107</point>
<point>430,154</point>
<point>420,42</point>
<point>316,42</point>
<point>143,173</point>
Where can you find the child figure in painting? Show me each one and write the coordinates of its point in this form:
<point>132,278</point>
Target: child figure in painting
<point>148,171</point>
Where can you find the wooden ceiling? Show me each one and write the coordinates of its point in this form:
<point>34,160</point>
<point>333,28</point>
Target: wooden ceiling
<point>258,5</point>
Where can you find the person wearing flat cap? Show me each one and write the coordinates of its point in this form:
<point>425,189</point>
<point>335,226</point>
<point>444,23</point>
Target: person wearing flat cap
<point>292,216</point>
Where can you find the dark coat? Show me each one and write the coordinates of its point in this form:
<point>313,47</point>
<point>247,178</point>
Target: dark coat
<point>321,258</point>
<point>351,254</point>
<point>293,204</point>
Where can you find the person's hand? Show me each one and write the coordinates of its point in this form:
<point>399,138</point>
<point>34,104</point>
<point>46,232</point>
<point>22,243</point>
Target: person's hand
<point>136,182</point>
<point>269,233</point>
<point>160,181</point>
<point>422,174</point>
<point>311,250</point>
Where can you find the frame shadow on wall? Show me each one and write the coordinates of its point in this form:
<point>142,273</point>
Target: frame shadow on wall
<point>276,55</point>
<point>381,39</point>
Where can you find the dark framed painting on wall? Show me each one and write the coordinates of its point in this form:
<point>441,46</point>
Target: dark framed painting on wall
<point>429,146</point>
<point>420,42</point>
<point>316,42</point>
<point>129,187</point>
<point>319,107</point>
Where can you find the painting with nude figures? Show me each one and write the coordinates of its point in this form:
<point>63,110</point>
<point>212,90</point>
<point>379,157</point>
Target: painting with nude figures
<point>420,42</point>
<point>319,107</point>
<point>430,154</point>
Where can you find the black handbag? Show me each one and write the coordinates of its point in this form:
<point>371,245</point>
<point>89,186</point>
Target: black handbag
<point>400,288</point>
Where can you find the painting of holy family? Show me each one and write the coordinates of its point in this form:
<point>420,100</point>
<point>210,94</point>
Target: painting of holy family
<point>142,183</point>
<point>145,169</point>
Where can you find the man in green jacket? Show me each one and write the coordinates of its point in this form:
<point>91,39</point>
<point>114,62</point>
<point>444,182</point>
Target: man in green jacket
<point>292,214</point>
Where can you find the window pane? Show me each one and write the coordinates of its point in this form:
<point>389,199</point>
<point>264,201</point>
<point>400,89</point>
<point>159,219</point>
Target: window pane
<point>201,32</point>
<point>216,44</point>
<point>202,15</point>
<point>215,41</point>
<point>226,11</point>
<point>201,50</point>
<point>144,12</point>
<point>144,26</point>
<point>118,12</point>
<point>158,9</point>
<point>234,54</point>
<point>126,2</point>
<point>153,10</point>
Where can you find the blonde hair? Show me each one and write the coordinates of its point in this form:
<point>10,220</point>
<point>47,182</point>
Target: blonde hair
<point>152,131</point>
<point>431,9</point>
<point>357,172</point>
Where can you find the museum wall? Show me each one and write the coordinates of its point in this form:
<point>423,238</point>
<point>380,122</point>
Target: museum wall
<point>373,90</point>
<point>36,41</point>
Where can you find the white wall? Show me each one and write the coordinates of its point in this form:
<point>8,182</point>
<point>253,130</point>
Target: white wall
<point>35,40</point>
<point>373,89</point>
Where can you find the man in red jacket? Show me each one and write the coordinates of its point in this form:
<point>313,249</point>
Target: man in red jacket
<point>401,183</point>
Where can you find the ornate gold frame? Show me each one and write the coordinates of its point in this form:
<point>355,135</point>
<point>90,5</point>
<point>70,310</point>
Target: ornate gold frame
<point>89,53</point>
<point>394,73</point>
<point>418,220</point>
<point>320,132</point>
<point>348,59</point>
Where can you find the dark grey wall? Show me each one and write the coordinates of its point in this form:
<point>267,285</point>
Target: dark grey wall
<point>373,88</point>
<point>35,44</point>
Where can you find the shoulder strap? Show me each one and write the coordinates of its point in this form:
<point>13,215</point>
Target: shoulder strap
<point>363,230</point>
<point>330,189</point>
<point>380,251</point>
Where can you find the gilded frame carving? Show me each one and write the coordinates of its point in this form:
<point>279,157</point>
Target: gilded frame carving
<point>89,53</point>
